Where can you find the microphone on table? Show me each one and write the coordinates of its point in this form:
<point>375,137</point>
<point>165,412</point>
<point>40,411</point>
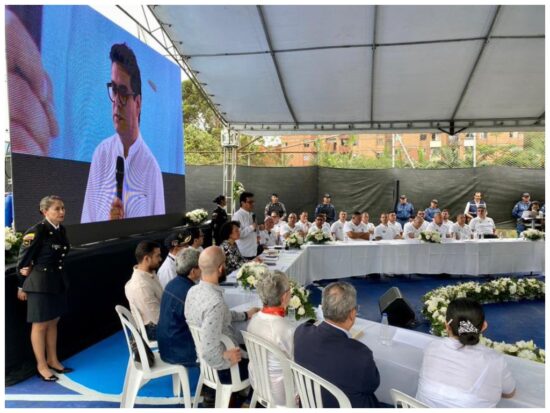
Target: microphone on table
<point>119,176</point>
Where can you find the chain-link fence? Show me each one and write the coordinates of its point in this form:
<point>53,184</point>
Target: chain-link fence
<point>381,151</point>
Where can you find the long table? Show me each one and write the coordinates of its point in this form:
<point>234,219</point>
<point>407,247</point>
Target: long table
<point>471,257</point>
<point>399,364</point>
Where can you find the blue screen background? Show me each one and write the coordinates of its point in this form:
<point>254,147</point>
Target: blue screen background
<point>76,41</point>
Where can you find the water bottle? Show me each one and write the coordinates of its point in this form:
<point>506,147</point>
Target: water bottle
<point>385,337</point>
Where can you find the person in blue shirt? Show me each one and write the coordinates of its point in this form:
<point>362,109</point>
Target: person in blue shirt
<point>431,210</point>
<point>174,338</point>
<point>404,211</point>
<point>518,210</point>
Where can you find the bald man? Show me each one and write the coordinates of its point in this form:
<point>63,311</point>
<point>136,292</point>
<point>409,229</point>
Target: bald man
<point>205,308</point>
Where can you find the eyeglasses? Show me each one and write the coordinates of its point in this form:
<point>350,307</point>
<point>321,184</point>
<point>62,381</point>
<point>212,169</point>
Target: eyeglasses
<point>119,90</point>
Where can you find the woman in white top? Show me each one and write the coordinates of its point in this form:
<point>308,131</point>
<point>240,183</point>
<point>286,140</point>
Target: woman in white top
<point>270,324</point>
<point>458,371</point>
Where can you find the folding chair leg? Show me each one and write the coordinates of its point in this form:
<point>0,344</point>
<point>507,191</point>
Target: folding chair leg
<point>223,395</point>
<point>125,384</point>
<point>254,400</point>
<point>184,385</point>
<point>198,391</point>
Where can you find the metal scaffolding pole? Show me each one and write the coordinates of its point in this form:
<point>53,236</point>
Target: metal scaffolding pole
<point>230,142</point>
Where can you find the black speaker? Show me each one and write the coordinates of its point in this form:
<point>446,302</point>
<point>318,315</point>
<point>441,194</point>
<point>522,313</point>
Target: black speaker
<point>399,311</point>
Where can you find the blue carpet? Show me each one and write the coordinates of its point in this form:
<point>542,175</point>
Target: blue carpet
<point>35,385</point>
<point>508,322</point>
<point>102,367</point>
<point>80,405</point>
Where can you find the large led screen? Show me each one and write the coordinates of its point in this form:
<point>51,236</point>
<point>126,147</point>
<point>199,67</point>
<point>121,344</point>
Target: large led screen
<point>95,114</point>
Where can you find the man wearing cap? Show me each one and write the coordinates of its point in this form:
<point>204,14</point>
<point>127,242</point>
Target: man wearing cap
<point>404,211</point>
<point>518,210</point>
<point>275,206</point>
<point>175,242</point>
<point>326,208</point>
<point>431,210</point>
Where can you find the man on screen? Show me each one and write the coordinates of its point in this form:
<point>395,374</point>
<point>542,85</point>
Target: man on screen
<point>125,180</point>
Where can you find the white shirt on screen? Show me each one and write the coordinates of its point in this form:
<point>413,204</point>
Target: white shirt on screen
<point>453,375</point>
<point>304,226</point>
<point>325,228</point>
<point>143,189</point>
<point>286,230</point>
<point>248,243</point>
<point>396,226</point>
<point>268,238</point>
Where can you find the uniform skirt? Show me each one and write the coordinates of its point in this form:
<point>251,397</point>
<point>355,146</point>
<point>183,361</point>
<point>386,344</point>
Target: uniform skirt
<point>45,306</point>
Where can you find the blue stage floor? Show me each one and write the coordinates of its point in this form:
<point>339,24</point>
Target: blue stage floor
<point>99,370</point>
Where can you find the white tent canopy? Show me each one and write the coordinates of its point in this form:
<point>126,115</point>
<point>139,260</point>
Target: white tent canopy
<point>297,69</point>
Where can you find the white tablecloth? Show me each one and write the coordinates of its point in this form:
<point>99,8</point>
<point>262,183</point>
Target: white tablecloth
<point>345,259</point>
<point>399,364</point>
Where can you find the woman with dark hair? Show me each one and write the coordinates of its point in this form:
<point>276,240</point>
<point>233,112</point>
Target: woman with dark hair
<point>459,371</point>
<point>230,233</point>
<point>43,285</point>
<point>219,217</point>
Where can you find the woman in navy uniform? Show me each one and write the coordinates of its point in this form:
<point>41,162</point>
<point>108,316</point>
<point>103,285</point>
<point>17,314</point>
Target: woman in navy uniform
<point>43,285</point>
<point>219,217</point>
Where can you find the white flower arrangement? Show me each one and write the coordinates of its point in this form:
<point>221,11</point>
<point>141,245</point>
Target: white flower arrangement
<point>250,273</point>
<point>295,240</point>
<point>197,216</point>
<point>430,236</point>
<point>238,189</point>
<point>12,243</point>
<point>532,234</point>
<point>318,237</point>
<point>499,290</point>
<point>299,301</point>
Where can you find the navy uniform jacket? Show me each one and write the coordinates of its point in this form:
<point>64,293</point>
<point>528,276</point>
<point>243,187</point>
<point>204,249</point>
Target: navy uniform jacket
<point>327,209</point>
<point>44,248</point>
<point>404,211</point>
<point>345,362</point>
<point>219,217</point>
<point>429,213</point>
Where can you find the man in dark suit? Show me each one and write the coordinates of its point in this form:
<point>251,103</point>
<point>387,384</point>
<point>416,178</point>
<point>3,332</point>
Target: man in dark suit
<point>330,352</point>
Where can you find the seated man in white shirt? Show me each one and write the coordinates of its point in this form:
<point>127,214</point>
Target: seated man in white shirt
<point>437,225</point>
<point>460,230</point>
<point>277,223</point>
<point>303,224</point>
<point>337,228</point>
<point>384,231</point>
<point>424,222</point>
<point>365,219</point>
<point>446,214</point>
<point>320,225</point>
<point>413,229</point>
<point>482,224</point>
<point>392,222</point>
<point>268,237</point>
<point>355,230</point>
<point>290,228</point>
<point>175,242</point>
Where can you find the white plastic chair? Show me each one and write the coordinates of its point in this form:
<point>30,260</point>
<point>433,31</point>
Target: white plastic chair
<point>258,351</point>
<point>139,373</point>
<point>139,321</point>
<point>309,387</point>
<point>209,376</point>
<point>404,401</point>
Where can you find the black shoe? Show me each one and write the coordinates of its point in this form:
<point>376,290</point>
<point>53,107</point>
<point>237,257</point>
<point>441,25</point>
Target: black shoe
<point>53,377</point>
<point>65,370</point>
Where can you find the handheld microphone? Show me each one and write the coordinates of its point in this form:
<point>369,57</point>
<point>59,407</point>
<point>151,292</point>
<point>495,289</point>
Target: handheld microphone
<point>119,176</point>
